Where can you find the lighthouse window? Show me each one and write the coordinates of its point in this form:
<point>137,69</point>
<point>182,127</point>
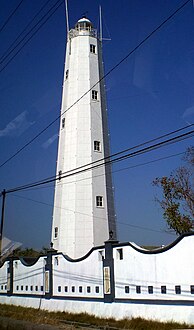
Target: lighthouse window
<point>63,122</point>
<point>99,201</point>
<point>94,95</point>
<point>93,49</point>
<point>97,146</point>
<point>66,74</point>
<point>56,232</point>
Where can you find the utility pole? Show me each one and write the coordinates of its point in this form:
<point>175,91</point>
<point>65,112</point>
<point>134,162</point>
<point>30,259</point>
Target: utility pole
<point>3,193</point>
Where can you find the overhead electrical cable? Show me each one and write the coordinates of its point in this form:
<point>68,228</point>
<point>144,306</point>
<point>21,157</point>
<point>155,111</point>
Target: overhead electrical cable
<point>116,154</point>
<point>122,151</point>
<point>107,162</point>
<point>114,171</point>
<point>118,222</point>
<point>59,2</point>
<point>105,75</point>
<point>10,49</point>
<point>10,16</point>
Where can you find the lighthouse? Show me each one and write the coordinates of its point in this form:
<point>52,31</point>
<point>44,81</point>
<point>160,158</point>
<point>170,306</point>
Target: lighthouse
<point>84,212</point>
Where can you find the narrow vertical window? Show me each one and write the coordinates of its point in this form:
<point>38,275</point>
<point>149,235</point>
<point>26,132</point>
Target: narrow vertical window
<point>150,289</point>
<point>97,146</point>
<point>63,122</point>
<point>66,288</point>
<point>88,289</point>
<point>99,201</point>
<point>80,289</point>
<point>73,289</point>
<point>56,232</point>
<point>94,95</point>
<point>192,289</point>
<point>92,49</point>
<point>66,74</point>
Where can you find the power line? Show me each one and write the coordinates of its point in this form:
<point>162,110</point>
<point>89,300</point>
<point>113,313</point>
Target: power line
<point>10,16</point>
<point>119,170</point>
<point>115,171</point>
<point>60,3</point>
<point>113,68</point>
<point>121,152</point>
<point>5,54</point>
<point>118,222</point>
<point>106,162</point>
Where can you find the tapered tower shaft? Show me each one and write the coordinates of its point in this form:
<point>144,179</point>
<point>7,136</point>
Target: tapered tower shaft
<point>84,211</point>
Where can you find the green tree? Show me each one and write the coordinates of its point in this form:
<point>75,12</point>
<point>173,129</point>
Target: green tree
<point>178,196</point>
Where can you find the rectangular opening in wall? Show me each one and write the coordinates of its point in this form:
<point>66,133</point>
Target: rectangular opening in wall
<point>31,288</point>
<point>94,95</point>
<point>138,289</point>
<point>26,287</point>
<point>97,146</point>
<point>59,288</point>
<point>99,201</point>
<point>88,289</point>
<point>66,288</point>
<point>97,289</point>
<point>36,287</point>
<point>56,261</point>
<point>73,289</point>
<point>126,289</point>
<point>17,287</point>
<point>92,49</point>
<point>101,255</point>
<point>41,288</point>
<point>119,253</point>
<point>80,289</point>
<point>163,289</point>
<point>150,289</point>
<point>177,289</point>
<point>22,287</point>
<point>192,289</point>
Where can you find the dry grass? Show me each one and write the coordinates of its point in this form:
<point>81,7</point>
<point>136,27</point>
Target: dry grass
<point>44,317</point>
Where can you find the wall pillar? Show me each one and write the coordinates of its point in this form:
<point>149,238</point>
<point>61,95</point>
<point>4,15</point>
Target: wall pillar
<point>10,277</point>
<point>108,272</point>
<point>48,274</point>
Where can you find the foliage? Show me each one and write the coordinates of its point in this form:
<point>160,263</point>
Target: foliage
<point>178,196</point>
<point>29,252</point>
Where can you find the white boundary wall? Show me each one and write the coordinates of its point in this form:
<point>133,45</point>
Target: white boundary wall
<point>155,285</point>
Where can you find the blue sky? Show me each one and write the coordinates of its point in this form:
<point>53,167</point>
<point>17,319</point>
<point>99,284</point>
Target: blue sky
<point>148,95</point>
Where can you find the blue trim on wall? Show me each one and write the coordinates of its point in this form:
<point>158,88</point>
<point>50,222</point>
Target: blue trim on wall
<point>157,251</point>
<point>156,302</point>
<point>82,258</point>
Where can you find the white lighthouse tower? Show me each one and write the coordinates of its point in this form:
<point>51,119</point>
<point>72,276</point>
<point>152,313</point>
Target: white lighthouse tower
<point>84,211</point>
